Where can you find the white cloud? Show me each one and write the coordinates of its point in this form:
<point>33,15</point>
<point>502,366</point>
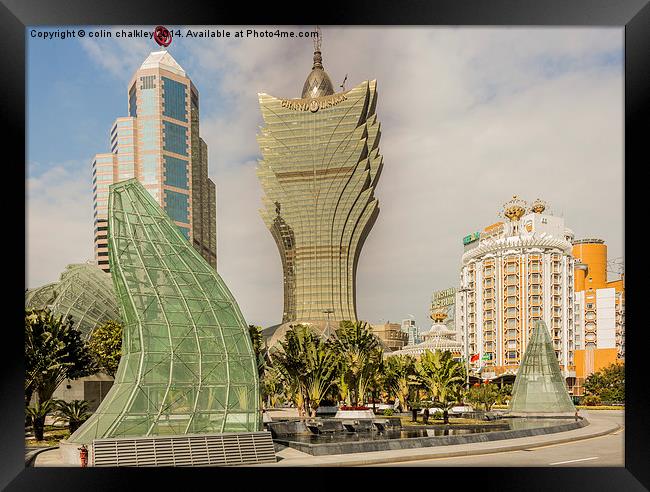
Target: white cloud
<point>469,117</point>
<point>59,222</point>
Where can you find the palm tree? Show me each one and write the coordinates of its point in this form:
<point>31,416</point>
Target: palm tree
<point>360,352</point>
<point>74,412</point>
<point>400,374</point>
<point>37,413</point>
<point>54,351</point>
<point>271,385</point>
<point>443,378</point>
<point>321,367</point>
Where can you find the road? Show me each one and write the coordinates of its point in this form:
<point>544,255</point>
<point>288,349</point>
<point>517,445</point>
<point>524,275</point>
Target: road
<point>608,450</point>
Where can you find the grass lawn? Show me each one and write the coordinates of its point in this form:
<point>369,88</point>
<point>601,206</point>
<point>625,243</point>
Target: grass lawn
<point>51,437</point>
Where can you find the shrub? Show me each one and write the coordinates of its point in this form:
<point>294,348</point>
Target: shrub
<point>388,412</point>
<point>591,400</point>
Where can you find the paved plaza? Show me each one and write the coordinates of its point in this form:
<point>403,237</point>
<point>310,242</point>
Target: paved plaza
<point>601,443</point>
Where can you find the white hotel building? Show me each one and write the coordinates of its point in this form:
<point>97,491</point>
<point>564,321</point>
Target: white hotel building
<point>513,273</point>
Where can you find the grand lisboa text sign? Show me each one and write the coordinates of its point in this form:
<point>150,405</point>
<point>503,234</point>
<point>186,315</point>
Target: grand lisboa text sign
<point>313,105</point>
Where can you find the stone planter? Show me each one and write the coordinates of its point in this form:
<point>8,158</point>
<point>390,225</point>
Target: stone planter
<point>355,414</point>
<point>325,410</point>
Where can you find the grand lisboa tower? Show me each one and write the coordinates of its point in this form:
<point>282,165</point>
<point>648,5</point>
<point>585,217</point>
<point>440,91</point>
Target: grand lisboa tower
<point>320,166</point>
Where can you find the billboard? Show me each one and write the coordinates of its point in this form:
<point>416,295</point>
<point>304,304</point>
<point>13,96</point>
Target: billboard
<point>470,238</point>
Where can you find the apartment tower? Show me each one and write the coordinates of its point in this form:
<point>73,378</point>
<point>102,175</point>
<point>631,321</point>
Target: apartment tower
<point>159,144</point>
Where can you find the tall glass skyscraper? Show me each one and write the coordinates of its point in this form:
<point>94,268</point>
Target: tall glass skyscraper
<point>319,170</point>
<point>159,144</point>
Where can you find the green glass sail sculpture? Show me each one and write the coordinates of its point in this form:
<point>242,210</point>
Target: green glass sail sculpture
<point>187,363</point>
<point>539,387</point>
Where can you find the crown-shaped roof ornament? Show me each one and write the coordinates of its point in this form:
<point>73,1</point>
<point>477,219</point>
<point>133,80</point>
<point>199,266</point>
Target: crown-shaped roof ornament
<point>538,206</point>
<point>514,208</point>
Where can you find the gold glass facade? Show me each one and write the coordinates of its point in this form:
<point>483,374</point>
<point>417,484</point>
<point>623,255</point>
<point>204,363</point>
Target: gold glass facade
<point>320,166</point>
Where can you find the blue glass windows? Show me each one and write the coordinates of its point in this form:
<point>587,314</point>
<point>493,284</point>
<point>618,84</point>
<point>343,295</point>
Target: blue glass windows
<point>174,99</point>
<point>176,172</point>
<point>133,106</point>
<point>177,206</point>
<point>175,138</point>
<point>185,231</point>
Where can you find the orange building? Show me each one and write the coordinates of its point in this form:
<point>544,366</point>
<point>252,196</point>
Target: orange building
<point>599,311</point>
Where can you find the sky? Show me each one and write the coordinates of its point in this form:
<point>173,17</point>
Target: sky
<point>469,117</point>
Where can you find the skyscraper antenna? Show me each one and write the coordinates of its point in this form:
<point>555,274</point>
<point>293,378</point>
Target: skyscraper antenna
<point>318,39</point>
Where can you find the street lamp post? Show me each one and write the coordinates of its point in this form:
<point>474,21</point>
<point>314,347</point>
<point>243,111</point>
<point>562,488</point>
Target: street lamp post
<point>464,290</point>
<point>327,311</point>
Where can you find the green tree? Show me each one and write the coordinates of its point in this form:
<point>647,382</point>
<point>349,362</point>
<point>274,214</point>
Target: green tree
<point>321,368</point>
<point>259,348</point>
<point>399,378</point>
<point>308,366</point>
<point>272,386</point>
<point>54,351</point>
<point>37,414</point>
<point>484,395</point>
<point>74,412</point>
<point>443,379</point>
<point>608,384</point>
<point>505,392</point>
<point>361,356</point>
<point>105,346</point>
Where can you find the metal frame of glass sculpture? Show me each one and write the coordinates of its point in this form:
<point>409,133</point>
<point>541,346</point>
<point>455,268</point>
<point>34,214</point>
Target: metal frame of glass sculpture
<point>187,363</point>
<point>84,292</point>
<point>539,386</point>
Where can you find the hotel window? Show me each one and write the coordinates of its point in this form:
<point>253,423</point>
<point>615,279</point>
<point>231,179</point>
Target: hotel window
<point>512,289</point>
<point>176,172</point>
<point>511,354</point>
<point>148,100</point>
<point>535,311</point>
<point>511,279</point>
<point>488,282</point>
<point>149,169</point>
<point>148,82</point>
<point>489,270</point>
<point>511,268</point>
<point>511,312</point>
<point>175,99</point>
<point>177,206</point>
<point>133,107</point>
<point>175,138</point>
<point>535,278</point>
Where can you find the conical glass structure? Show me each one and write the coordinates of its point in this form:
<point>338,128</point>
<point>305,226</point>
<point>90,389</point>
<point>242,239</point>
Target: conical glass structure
<point>539,387</point>
<point>187,363</point>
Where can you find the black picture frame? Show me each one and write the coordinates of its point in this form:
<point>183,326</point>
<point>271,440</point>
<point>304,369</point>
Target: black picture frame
<point>632,15</point>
